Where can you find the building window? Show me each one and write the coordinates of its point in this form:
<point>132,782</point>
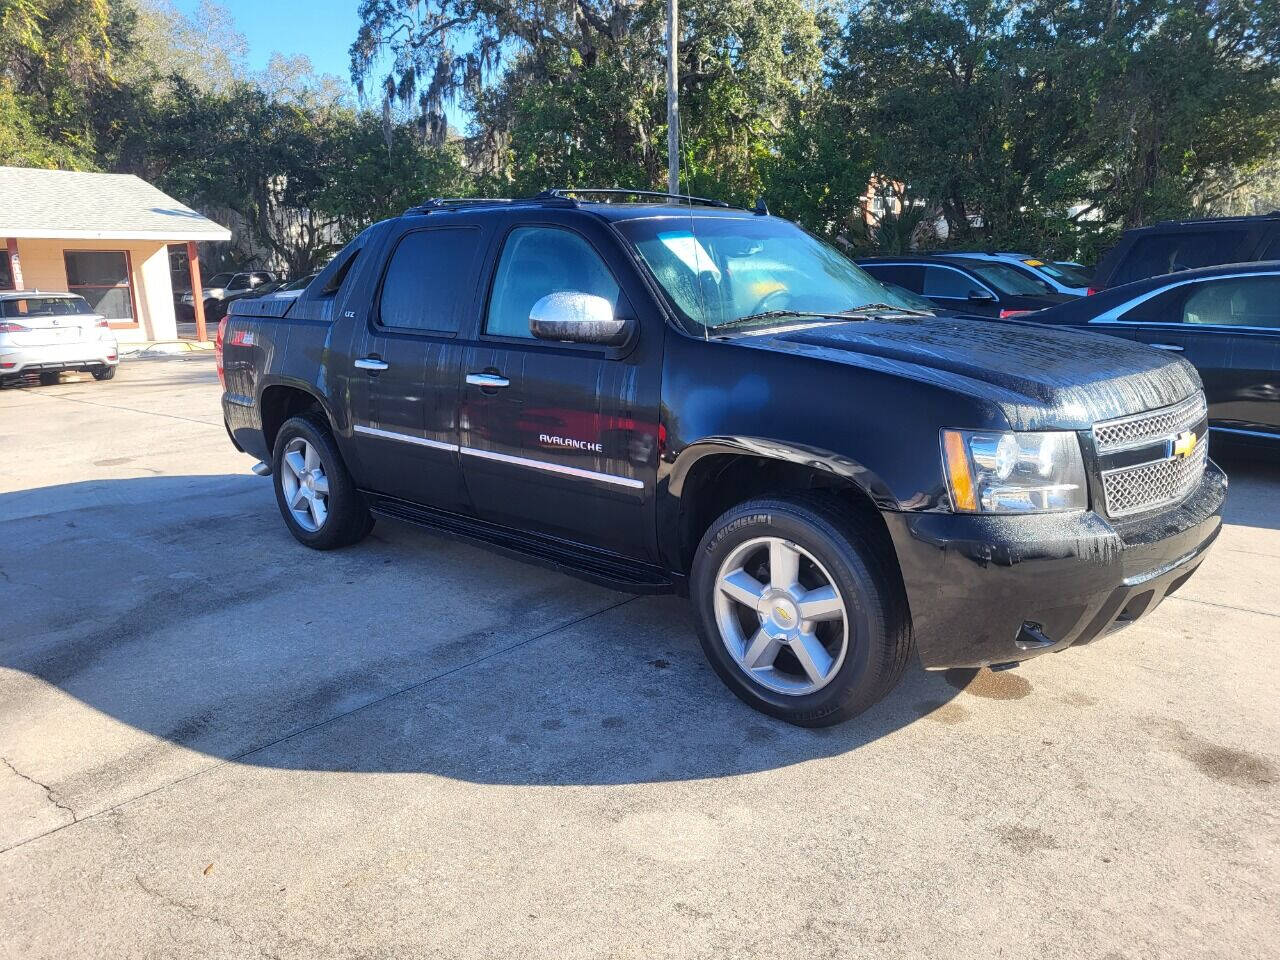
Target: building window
<point>102,278</point>
<point>6,269</point>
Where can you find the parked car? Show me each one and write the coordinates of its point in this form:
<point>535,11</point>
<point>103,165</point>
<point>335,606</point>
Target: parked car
<point>663,396</point>
<point>916,302</point>
<point>1225,320</point>
<point>981,288</point>
<point>221,285</point>
<point>50,333</point>
<point>294,288</point>
<point>1178,245</point>
<point>215,310</point>
<point>1064,276</point>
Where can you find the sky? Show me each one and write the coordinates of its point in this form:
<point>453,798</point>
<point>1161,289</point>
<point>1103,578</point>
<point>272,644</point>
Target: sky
<point>322,29</point>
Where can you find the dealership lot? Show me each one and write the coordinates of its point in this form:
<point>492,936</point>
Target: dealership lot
<point>218,743</point>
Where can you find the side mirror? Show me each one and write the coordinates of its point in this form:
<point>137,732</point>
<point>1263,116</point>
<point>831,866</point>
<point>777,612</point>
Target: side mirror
<point>572,317</point>
<point>981,296</point>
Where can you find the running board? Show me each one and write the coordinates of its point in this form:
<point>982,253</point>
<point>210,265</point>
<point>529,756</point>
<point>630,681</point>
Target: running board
<point>262,469</point>
<point>597,566</point>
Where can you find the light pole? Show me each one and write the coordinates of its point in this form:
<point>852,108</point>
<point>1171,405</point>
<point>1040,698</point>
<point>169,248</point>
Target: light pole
<point>673,98</point>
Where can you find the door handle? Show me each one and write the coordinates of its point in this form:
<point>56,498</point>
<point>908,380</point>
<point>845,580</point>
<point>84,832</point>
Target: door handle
<point>371,363</point>
<point>1168,346</point>
<point>490,380</point>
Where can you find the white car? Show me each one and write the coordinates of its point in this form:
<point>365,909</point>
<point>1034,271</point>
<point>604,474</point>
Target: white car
<point>48,333</point>
<point>1065,276</point>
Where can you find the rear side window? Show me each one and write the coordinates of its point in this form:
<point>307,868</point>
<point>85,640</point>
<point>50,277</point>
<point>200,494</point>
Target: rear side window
<point>1174,252</point>
<point>430,277</point>
<point>1273,251</point>
<point>1237,302</point>
<point>909,278</point>
<point>947,283</point>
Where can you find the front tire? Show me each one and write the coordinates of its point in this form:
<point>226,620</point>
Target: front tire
<point>801,609</point>
<point>50,378</point>
<point>104,373</point>
<point>317,497</point>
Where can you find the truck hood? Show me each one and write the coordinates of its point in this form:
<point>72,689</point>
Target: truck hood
<point>1040,377</point>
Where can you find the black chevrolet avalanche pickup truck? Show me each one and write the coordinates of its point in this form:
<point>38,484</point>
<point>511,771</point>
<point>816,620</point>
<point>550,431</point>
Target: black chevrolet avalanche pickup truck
<point>661,395</point>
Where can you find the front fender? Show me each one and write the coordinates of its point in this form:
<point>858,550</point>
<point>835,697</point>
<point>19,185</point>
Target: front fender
<point>827,461</point>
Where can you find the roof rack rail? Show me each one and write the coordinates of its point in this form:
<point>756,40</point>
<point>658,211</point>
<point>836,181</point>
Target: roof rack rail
<point>443,203</point>
<point>566,193</point>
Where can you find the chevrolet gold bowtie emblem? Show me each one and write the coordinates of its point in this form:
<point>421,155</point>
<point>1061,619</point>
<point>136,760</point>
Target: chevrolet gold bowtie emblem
<point>782,614</point>
<point>1184,444</point>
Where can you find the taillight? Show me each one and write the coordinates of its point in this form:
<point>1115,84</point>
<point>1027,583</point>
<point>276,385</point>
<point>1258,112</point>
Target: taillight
<point>217,350</point>
<point>1091,291</point>
<point>6,327</point>
<point>1006,314</point>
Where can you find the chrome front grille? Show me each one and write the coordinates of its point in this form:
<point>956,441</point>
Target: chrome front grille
<point>1144,460</point>
<point>1158,483</point>
<point>1150,427</point>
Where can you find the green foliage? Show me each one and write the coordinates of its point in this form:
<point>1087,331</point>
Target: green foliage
<point>1008,113</point>
<point>135,86</point>
<point>55,61</point>
<point>302,181</point>
<point>1045,125</point>
<point>579,98</point>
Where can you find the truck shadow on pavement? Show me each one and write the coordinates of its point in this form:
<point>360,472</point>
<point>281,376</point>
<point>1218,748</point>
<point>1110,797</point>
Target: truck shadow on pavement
<point>180,607</point>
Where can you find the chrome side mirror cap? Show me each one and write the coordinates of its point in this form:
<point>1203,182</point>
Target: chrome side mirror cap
<point>572,317</point>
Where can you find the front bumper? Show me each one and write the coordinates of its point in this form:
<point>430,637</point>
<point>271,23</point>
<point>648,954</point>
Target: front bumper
<point>993,590</point>
<point>83,355</point>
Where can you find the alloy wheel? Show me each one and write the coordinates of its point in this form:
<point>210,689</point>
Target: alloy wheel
<point>305,484</point>
<point>781,616</point>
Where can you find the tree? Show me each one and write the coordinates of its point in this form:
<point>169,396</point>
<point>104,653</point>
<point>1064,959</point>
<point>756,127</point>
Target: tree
<point>571,92</point>
<point>56,58</point>
<point>204,48</point>
<point>1008,113</point>
<point>299,180</point>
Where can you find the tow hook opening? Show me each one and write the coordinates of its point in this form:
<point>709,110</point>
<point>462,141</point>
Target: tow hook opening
<point>1031,636</point>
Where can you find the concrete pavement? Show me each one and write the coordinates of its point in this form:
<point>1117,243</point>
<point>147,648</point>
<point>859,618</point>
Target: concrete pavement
<point>217,743</point>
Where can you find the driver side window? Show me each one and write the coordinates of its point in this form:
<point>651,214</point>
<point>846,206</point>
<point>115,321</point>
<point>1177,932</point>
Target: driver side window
<point>537,261</point>
<point>946,283</point>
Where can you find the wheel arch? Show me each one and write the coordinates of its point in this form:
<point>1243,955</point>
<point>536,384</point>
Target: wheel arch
<point>714,475</point>
<point>284,399</point>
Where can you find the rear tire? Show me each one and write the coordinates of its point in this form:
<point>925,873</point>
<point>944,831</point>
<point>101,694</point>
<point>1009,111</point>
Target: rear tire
<point>824,638</point>
<point>317,497</point>
<point>104,373</point>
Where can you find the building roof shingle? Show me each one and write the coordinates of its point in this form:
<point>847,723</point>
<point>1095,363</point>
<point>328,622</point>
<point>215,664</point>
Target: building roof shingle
<point>67,205</point>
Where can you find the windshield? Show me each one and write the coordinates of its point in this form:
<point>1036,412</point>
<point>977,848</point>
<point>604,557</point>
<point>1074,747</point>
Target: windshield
<point>299,283</point>
<point>43,307</point>
<point>219,280</point>
<point>1010,280</point>
<point>718,270</point>
<point>912,300</point>
<point>1068,274</point>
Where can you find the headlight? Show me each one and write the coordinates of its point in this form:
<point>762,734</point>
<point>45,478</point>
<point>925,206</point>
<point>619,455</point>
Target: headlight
<point>1002,472</point>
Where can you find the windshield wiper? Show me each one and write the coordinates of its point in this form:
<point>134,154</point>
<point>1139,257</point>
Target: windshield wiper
<point>834,316</point>
<point>881,307</point>
<point>770,315</point>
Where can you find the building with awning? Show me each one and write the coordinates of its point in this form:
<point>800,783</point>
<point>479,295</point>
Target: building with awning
<point>104,236</point>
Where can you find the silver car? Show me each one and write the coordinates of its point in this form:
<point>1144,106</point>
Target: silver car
<point>47,333</point>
